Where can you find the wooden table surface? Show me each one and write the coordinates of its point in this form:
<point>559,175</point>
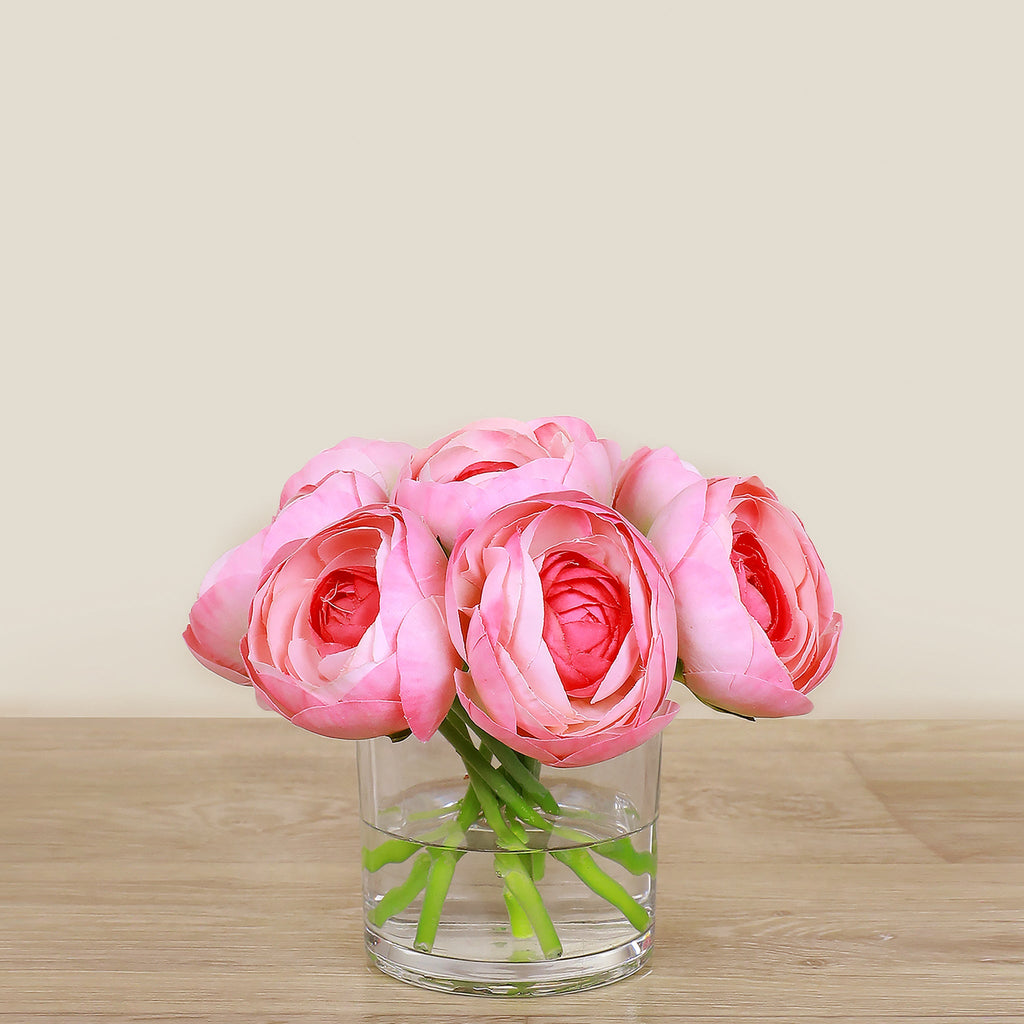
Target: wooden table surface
<point>810,870</point>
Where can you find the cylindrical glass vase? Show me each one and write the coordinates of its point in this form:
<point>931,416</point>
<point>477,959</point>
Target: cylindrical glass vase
<point>476,880</point>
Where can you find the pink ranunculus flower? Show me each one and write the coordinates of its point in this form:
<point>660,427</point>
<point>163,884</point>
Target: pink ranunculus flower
<point>326,489</point>
<point>564,615</point>
<point>460,479</point>
<point>347,636</point>
<point>757,626</point>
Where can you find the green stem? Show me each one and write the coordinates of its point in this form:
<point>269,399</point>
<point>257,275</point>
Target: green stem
<point>468,813</point>
<point>442,870</point>
<point>513,838</point>
<point>518,771</point>
<point>586,869</point>
<point>538,861</point>
<point>439,880</point>
<point>492,778</point>
<point>398,898</point>
<point>518,881</point>
<point>620,850</point>
<point>391,851</point>
<point>439,876</point>
<point>454,721</point>
<point>395,851</point>
<point>623,852</point>
<point>517,919</point>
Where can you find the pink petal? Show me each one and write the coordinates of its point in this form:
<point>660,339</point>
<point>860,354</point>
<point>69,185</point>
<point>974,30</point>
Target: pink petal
<point>648,482</point>
<point>426,668</point>
<point>593,469</point>
<point>354,719</point>
<point>217,622</point>
<point>679,522</point>
<point>616,742</point>
<point>380,460</point>
<point>828,643</point>
<point>222,670</point>
<point>333,500</point>
<point>444,507</point>
<point>287,695</point>
<point>558,433</point>
<point>747,695</point>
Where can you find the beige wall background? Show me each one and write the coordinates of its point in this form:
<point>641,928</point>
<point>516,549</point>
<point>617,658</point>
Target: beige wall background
<point>783,238</point>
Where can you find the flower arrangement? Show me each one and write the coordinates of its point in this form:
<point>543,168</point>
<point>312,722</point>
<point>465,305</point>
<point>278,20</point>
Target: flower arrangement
<point>524,592</point>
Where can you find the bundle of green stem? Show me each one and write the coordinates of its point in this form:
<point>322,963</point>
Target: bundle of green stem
<point>506,796</point>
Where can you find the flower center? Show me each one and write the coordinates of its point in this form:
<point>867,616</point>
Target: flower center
<point>760,591</point>
<point>586,618</point>
<point>345,604</point>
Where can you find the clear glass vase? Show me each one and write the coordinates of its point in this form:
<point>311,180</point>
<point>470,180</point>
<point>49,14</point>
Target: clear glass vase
<point>477,880</point>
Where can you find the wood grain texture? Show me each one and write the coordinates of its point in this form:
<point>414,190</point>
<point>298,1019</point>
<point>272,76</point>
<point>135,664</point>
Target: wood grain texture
<point>812,871</point>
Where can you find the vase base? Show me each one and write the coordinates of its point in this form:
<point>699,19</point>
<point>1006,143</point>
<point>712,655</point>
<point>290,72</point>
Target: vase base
<point>487,978</point>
